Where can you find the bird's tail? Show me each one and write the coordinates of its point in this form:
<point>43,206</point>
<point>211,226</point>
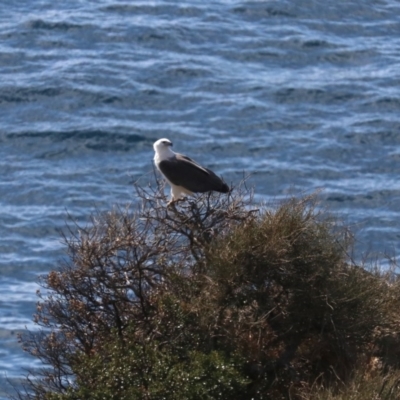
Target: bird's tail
<point>224,188</point>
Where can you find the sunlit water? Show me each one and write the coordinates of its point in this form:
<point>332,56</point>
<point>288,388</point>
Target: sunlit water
<point>301,95</point>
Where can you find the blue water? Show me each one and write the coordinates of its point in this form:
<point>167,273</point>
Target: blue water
<point>301,95</point>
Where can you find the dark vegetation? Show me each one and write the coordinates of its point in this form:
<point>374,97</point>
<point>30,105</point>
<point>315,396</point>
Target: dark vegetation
<point>215,298</point>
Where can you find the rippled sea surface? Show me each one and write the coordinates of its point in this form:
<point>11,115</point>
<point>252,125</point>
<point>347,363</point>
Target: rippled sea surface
<point>301,95</point>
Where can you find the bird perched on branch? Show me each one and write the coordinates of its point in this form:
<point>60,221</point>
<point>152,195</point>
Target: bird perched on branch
<point>183,174</point>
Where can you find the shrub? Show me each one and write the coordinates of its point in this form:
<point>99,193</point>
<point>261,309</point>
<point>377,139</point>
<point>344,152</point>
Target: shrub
<point>211,298</point>
<point>152,371</point>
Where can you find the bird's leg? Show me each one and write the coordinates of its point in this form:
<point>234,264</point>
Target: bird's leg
<point>173,201</point>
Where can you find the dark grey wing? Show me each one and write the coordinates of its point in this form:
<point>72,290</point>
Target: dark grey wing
<point>183,158</point>
<point>183,171</point>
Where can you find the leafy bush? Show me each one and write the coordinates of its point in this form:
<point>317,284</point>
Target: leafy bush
<point>211,298</point>
<point>150,370</point>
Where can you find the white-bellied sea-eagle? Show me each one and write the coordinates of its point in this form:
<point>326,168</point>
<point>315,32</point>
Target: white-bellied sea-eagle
<point>183,174</point>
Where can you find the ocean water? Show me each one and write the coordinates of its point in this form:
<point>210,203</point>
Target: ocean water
<point>300,95</point>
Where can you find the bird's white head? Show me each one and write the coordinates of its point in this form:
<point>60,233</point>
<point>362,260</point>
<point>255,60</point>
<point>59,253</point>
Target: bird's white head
<point>162,147</point>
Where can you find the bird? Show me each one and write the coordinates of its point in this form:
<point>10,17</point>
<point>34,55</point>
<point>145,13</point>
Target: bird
<point>184,175</point>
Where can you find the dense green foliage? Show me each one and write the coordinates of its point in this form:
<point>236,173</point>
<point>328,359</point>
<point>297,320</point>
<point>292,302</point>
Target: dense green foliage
<point>212,298</point>
<point>133,371</point>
